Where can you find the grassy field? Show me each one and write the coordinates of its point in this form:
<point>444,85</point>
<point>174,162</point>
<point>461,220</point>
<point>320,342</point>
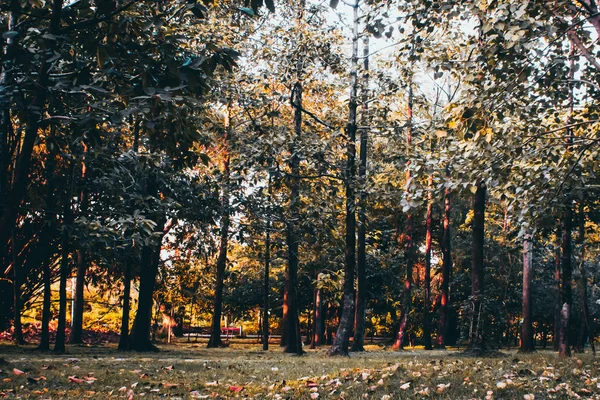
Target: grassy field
<point>188,371</point>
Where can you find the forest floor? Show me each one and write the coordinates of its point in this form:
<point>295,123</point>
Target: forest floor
<point>191,371</point>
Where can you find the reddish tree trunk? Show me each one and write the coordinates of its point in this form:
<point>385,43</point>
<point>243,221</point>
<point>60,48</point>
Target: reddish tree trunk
<point>427,283</point>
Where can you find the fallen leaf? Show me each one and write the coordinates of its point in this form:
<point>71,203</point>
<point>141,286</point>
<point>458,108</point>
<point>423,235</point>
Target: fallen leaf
<point>405,386</point>
<point>213,383</point>
<point>18,371</point>
<point>130,395</point>
<point>168,385</point>
<point>169,368</point>
<point>144,376</point>
<point>311,384</point>
<point>501,385</point>
<point>314,395</point>
<point>48,367</point>
<point>75,379</point>
<point>236,389</point>
<point>34,380</point>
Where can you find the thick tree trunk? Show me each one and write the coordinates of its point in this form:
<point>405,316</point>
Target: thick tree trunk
<point>124,336</point>
<point>478,319</point>
<point>358,343</point>
<point>215,333</point>
<point>527,344</point>
<point>427,283</point>
<point>446,268</point>
<point>342,337</point>
<point>18,328</point>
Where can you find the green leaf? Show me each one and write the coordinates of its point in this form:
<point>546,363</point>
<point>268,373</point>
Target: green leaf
<point>247,10</point>
<point>10,34</point>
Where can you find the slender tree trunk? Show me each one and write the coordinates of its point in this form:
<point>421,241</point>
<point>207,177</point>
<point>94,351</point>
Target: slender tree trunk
<point>527,344</point>
<point>342,337</point>
<point>446,268</point>
<point>427,283</point>
<point>59,345</point>
<point>124,336</point>
<point>566,296</point>
<point>584,325</point>
<point>476,334</point>
<point>358,343</point>
<point>82,265</point>
<point>409,236</point>
<point>317,339</point>
<point>265,318</point>
<point>18,329</point>
<point>557,303</point>
<point>215,334</point>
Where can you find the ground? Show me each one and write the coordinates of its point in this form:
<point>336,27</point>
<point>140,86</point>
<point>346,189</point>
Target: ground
<point>190,370</point>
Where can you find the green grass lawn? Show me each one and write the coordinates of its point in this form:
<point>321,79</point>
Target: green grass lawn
<point>187,371</point>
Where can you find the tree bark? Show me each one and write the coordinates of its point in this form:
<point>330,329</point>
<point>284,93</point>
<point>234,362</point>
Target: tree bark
<point>342,337</point>
<point>358,343</point>
<point>124,336</point>
<point>527,344</point>
<point>215,333</point>
<point>317,339</point>
<point>476,333</point>
<point>446,268</point>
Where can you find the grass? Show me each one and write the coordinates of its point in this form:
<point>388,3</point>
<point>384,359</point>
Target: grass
<point>184,371</point>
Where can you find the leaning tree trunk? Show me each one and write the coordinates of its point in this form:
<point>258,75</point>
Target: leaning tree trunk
<point>476,332</point>
<point>358,343</point>
<point>32,125</point>
<point>342,337</point>
<point>446,268</point>
<point>527,344</point>
<point>215,332</point>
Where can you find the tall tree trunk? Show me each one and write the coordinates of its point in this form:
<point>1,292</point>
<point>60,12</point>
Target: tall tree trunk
<point>291,329</point>
<point>446,268</point>
<point>215,332</point>
<point>18,329</point>
<point>33,120</point>
<point>427,283</point>
<point>409,235</point>
<point>265,318</point>
<point>585,323</point>
<point>342,337</point>
<point>476,333</point>
<point>358,343</point>
<point>124,336</point>
<point>527,344</point>
<point>59,345</point>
